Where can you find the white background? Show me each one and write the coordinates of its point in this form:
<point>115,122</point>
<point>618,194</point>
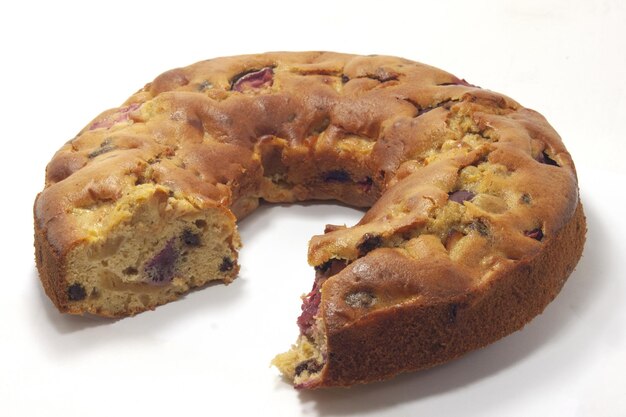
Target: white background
<point>208,354</point>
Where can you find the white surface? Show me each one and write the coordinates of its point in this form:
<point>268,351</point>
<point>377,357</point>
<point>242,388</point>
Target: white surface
<point>208,354</point>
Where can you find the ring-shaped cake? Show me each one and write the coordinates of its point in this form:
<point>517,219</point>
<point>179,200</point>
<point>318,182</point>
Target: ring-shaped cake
<point>474,221</point>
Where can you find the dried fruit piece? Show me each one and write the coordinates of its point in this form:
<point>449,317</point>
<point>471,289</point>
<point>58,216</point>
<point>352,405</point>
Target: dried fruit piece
<point>446,104</point>
<point>536,234</point>
<point>332,267</point>
<point>76,292</point>
<point>310,305</point>
<point>105,147</point>
<point>545,159</point>
<point>131,270</point>
<point>253,79</point>
<point>226,265</point>
<point>311,301</point>
<point>311,366</point>
<point>190,238</point>
<point>368,243</point>
<point>459,196</point>
<point>161,268</point>
<point>121,115</point>
<point>337,175</point>
<point>458,81</point>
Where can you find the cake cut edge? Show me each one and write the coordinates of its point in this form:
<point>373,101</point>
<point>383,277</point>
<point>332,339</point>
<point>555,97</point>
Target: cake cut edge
<point>147,248</point>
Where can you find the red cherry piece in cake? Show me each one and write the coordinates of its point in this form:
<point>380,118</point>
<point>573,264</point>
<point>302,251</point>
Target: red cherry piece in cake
<point>545,159</point>
<point>122,115</point>
<point>536,234</point>
<point>255,79</point>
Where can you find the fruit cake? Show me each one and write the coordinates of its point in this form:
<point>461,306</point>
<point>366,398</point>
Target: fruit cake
<point>473,223</point>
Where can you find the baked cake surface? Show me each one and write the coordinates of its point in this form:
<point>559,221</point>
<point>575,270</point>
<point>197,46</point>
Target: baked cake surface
<point>473,226</point>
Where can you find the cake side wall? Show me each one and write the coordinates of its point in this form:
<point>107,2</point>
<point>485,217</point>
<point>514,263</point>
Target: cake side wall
<point>412,337</point>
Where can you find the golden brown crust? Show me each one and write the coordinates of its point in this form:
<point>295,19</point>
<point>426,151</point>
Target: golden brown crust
<point>472,197</point>
<point>437,324</point>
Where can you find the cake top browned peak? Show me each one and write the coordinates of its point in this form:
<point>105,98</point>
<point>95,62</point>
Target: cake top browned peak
<point>452,170</point>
